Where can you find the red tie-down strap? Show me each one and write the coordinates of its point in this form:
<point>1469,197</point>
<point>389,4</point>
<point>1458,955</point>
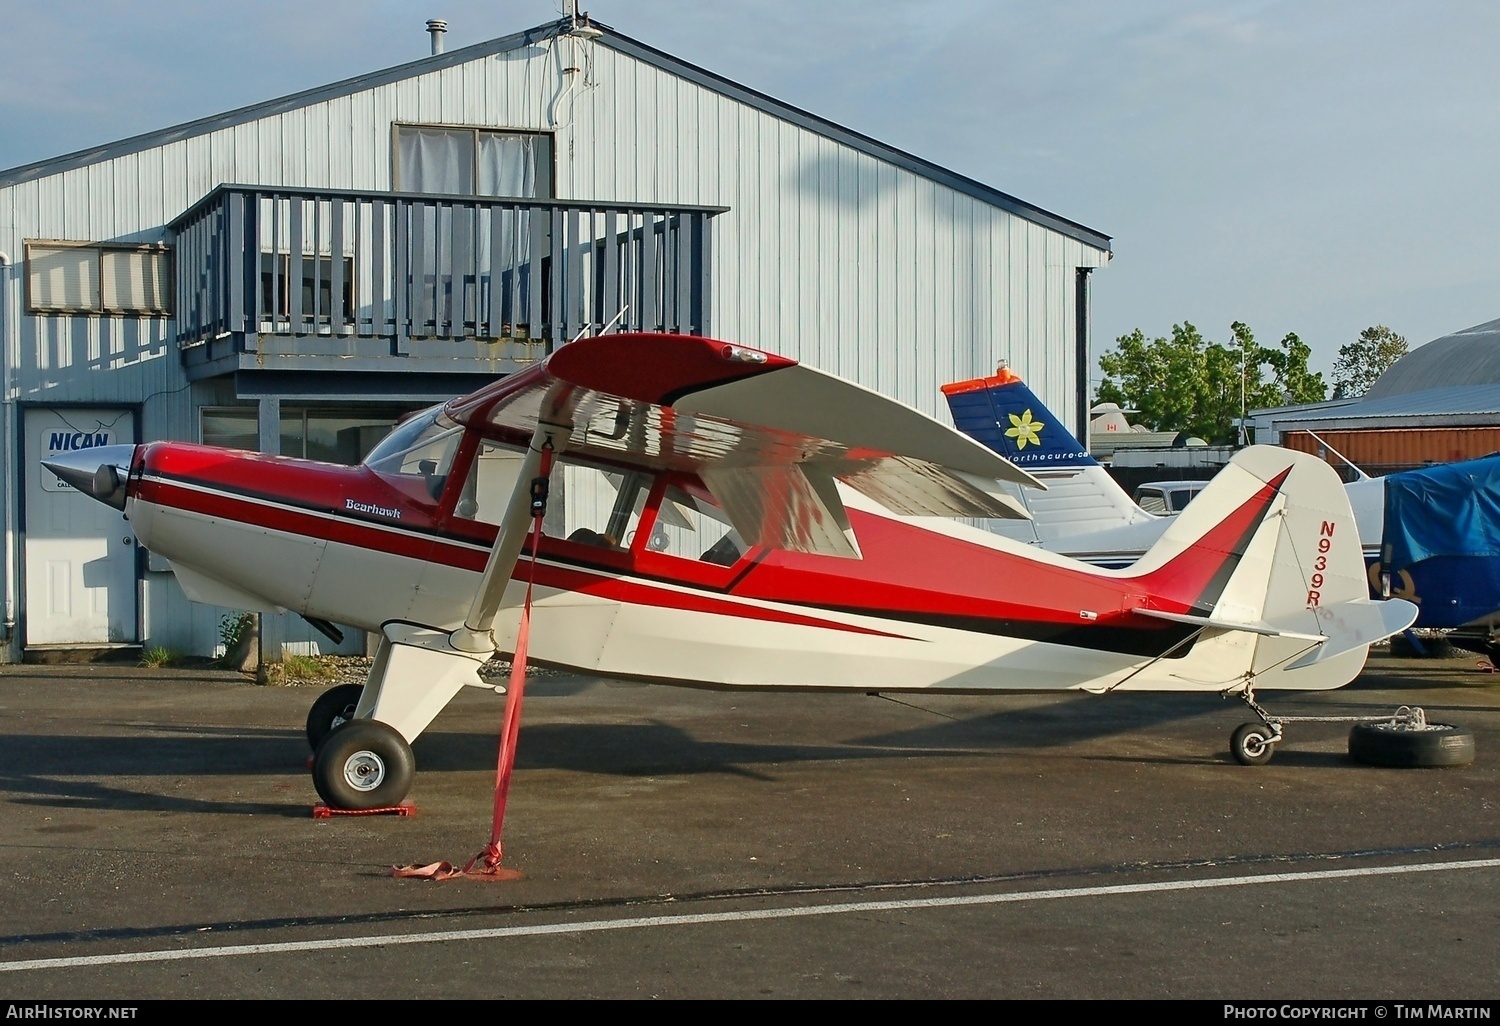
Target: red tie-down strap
<point>486,865</point>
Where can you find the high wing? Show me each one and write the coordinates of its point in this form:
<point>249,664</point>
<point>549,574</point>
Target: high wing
<point>768,438</point>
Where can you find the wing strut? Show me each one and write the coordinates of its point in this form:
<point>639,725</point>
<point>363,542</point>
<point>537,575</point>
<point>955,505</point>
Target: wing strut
<point>418,669</point>
<point>547,441</point>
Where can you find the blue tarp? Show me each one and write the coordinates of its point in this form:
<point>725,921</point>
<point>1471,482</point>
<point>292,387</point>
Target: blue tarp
<point>1450,510</point>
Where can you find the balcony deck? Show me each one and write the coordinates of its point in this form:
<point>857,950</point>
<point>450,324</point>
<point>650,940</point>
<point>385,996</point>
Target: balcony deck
<point>272,279</point>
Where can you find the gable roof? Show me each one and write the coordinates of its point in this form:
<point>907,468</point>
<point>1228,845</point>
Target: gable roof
<point>613,39</point>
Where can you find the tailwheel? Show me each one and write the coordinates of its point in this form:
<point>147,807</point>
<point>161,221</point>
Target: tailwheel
<point>1253,744</point>
<point>333,708</point>
<point>364,764</point>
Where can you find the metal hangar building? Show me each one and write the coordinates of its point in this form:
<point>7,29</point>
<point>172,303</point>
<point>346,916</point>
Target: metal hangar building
<point>295,275</point>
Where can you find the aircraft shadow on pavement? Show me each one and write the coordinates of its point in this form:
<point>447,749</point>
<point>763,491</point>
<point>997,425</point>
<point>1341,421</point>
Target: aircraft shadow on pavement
<point>50,792</point>
<point>635,749</point>
<point>65,771</point>
<point>75,771</point>
<point>1074,719</point>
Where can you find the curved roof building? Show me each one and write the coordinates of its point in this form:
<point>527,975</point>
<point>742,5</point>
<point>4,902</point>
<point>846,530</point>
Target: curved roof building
<point>1467,357</point>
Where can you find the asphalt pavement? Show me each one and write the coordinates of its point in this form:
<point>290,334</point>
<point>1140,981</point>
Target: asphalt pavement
<point>677,843</point>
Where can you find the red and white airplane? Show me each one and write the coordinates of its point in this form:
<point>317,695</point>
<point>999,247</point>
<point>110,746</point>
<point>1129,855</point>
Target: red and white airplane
<point>725,516</point>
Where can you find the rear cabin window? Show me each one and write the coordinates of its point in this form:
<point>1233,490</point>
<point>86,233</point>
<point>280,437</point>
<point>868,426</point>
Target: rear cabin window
<point>603,507</point>
<point>692,527</point>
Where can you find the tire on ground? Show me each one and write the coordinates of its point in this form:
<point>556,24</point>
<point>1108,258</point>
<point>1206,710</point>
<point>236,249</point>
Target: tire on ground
<point>1387,744</point>
<point>364,764</point>
<point>1251,744</point>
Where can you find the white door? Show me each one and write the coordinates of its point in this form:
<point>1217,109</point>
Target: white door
<point>80,553</point>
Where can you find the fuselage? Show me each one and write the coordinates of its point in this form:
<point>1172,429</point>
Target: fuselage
<point>941,607</point>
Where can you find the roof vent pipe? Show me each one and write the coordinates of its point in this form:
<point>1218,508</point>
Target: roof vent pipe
<point>437,27</point>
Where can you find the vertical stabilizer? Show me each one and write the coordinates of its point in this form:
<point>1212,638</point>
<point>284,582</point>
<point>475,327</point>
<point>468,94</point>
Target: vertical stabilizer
<point>1267,560</point>
<point>1005,415</point>
<point>1002,413</point>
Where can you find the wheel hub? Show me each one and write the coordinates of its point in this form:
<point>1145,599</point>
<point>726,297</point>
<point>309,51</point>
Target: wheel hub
<point>364,770</point>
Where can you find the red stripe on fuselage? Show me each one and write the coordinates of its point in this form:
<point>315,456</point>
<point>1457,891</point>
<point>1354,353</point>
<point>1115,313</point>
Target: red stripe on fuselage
<point>908,569</point>
<point>332,527</point>
<point>907,573</point>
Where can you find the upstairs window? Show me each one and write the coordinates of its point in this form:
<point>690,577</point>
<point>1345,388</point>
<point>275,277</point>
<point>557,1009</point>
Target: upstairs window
<point>317,287</point>
<point>473,161</point>
<point>98,278</point>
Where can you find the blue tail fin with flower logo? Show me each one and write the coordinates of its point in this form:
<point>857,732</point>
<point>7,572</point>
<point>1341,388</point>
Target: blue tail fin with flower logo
<point>1081,498</point>
<point>1002,413</point>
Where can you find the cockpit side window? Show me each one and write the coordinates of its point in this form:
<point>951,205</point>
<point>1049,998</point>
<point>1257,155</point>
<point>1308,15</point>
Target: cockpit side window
<point>588,505</point>
<point>488,486</point>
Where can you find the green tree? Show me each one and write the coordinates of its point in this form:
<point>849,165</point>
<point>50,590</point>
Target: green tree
<point>1185,382</point>
<point>1360,362</point>
<point>1288,363</point>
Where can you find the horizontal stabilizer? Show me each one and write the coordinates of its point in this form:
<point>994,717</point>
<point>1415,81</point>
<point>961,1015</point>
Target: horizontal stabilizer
<point>1356,624</point>
<point>1253,627</point>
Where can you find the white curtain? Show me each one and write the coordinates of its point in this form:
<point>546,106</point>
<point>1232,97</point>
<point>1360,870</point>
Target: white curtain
<point>134,280</point>
<point>436,160</point>
<point>443,160</point>
<point>514,165</point>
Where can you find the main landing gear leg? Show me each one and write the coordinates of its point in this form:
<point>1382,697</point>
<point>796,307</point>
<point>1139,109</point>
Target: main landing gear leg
<point>367,762</point>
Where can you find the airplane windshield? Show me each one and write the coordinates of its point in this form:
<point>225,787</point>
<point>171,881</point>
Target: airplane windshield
<point>417,455</point>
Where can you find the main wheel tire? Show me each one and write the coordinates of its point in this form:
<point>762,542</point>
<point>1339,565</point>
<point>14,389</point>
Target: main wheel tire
<point>333,708</point>
<point>364,764</point>
<point>1252,744</point>
<point>1393,744</point>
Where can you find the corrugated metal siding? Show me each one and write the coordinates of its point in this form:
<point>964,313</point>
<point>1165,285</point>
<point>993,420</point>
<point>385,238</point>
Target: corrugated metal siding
<point>1407,447</point>
<point>827,254</point>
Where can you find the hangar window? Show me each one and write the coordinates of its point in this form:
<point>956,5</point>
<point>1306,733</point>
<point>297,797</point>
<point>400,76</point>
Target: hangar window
<point>233,427</point>
<point>333,435</point>
<point>465,161</point>
<point>98,278</point>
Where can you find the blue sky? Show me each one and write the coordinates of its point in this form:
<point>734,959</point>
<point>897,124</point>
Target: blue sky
<point>1302,166</point>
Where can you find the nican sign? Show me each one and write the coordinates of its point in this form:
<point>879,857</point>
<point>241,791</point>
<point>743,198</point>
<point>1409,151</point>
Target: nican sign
<point>54,442</point>
<point>68,441</point>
